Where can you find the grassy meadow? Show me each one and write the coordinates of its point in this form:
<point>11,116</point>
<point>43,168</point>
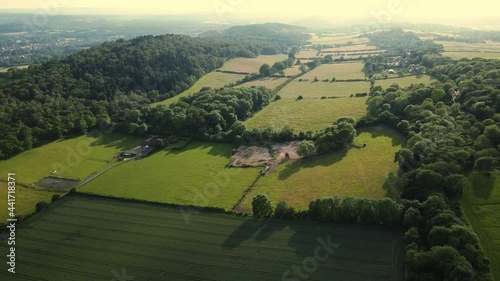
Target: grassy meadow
<point>403,81</point>
<point>26,199</point>
<point>358,172</point>
<point>268,82</point>
<point>81,239</point>
<point>310,89</point>
<point>341,71</point>
<point>251,65</point>
<point>307,114</point>
<point>75,158</point>
<point>195,175</point>
<point>481,205</point>
<point>213,79</point>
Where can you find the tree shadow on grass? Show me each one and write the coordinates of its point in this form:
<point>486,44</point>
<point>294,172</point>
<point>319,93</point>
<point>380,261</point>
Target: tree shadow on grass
<point>384,131</point>
<point>213,149</point>
<point>323,160</point>
<point>391,186</point>
<point>115,140</point>
<point>482,185</point>
<point>244,232</point>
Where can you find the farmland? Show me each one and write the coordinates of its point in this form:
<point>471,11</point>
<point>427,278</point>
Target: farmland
<point>481,205</point>
<point>213,79</point>
<point>310,89</point>
<point>75,158</point>
<point>307,114</point>
<point>26,199</point>
<point>336,39</point>
<point>268,82</point>
<point>357,172</point>
<point>100,239</point>
<point>403,81</point>
<point>251,65</point>
<point>5,69</point>
<point>458,50</point>
<point>341,71</point>
<point>195,175</point>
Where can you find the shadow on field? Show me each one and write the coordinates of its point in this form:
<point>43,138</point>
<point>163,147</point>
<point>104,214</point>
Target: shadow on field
<point>391,186</point>
<point>262,229</point>
<point>324,160</point>
<point>482,185</point>
<point>214,149</point>
<point>119,141</point>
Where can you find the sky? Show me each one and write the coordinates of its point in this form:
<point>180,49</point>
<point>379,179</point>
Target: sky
<point>350,9</point>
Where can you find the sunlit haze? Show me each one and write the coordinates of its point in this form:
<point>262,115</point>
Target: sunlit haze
<point>397,9</point>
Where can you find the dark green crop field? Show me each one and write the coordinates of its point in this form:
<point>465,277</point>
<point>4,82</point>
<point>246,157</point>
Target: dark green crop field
<point>90,238</point>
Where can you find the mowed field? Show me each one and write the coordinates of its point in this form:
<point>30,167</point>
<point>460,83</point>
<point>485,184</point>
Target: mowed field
<point>403,81</point>
<point>458,50</point>
<point>329,39</point>
<point>251,65</point>
<point>5,69</point>
<point>81,238</point>
<point>214,80</point>
<point>195,175</point>
<point>268,82</point>
<point>341,71</point>
<point>26,199</point>
<point>310,89</point>
<point>307,114</point>
<point>75,158</point>
<point>357,172</point>
<point>481,205</point>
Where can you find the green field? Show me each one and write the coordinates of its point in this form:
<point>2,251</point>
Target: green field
<point>213,79</point>
<point>81,239</point>
<point>330,39</point>
<point>5,69</point>
<point>307,53</point>
<point>481,206</point>
<point>357,172</point>
<point>26,199</point>
<point>307,114</point>
<point>268,82</point>
<point>310,89</point>
<point>75,158</point>
<point>471,55</point>
<point>195,175</point>
<point>251,65</point>
<point>341,71</point>
<point>404,81</point>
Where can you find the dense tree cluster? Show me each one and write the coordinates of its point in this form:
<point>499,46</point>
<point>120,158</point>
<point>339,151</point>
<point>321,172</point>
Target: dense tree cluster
<point>214,115</point>
<point>452,126</point>
<point>105,85</point>
<point>356,210</point>
<point>339,135</point>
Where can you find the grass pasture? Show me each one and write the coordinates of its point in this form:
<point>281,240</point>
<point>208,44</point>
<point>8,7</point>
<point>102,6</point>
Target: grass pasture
<point>351,48</point>
<point>306,54</point>
<point>251,65</point>
<point>195,175</point>
<point>213,79</point>
<point>481,205</point>
<point>341,71</point>
<point>81,238</point>
<point>403,81</point>
<point>357,172</point>
<point>310,89</point>
<point>75,158</point>
<point>458,50</point>
<point>337,39</point>
<point>5,69</point>
<point>292,71</point>
<point>307,114</point>
<point>268,82</point>
<point>26,199</point>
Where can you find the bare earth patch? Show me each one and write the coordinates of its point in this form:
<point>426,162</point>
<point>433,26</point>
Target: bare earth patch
<point>256,156</point>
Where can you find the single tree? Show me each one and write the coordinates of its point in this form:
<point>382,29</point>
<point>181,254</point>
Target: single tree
<point>261,206</point>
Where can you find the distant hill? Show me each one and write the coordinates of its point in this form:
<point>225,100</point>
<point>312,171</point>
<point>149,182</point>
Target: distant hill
<point>289,35</point>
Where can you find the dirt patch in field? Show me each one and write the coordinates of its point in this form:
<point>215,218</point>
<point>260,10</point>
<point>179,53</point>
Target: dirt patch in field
<point>256,156</point>
<point>57,183</point>
<point>251,156</point>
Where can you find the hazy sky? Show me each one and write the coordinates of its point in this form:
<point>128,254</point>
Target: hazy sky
<point>396,9</point>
